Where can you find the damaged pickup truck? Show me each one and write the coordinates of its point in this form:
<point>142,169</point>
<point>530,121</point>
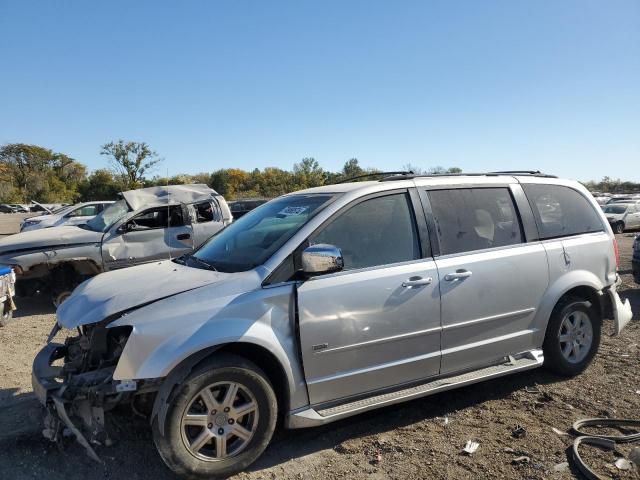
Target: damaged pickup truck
<point>144,226</point>
<point>331,301</point>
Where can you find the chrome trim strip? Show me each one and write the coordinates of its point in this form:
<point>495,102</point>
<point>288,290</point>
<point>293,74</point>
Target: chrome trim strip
<point>382,340</point>
<point>500,316</point>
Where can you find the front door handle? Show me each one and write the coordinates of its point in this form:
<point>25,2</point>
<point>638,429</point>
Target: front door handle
<point>417,282</point>
<point>183,236</point>
<point>458,275</point>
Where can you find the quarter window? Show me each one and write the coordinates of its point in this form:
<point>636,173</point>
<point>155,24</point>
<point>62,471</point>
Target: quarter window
<point>378,231</point>
<point>561,211</point>
<point>474,219</point>
<point>206,212</point>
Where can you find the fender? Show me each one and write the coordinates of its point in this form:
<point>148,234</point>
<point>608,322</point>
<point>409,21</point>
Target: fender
<point>555,291</point>
<point>175,330</point>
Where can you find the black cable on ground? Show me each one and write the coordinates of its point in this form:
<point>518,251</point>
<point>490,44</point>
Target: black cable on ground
<point>605,441</point>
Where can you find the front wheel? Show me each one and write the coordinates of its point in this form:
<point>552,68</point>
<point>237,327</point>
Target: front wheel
<point>573,336</point>
<point>618,227</point>
<point>7,315</point>
<point>220,421</point>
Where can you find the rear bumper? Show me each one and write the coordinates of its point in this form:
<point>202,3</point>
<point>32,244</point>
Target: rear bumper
<point>622,313</point>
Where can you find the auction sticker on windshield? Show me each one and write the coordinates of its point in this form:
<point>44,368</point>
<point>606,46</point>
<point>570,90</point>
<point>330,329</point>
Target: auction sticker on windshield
<point>290,211</point>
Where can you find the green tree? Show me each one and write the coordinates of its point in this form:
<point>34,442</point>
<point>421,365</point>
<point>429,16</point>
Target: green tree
<point>352,169</point>
<point>32,172</point>
<point>308,173</point>
<point>132,160</point>
<point>101,185</point>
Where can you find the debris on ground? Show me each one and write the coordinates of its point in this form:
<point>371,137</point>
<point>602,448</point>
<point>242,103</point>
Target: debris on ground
<point>470,447</point>
<point>520,460</point>
<point>561,467</point>
<point>557,431</point>
<point>623,464</point>
<point>519,432</point>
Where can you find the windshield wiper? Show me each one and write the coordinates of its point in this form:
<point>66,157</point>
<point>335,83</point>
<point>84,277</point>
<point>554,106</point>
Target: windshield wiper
<point>206,265</point>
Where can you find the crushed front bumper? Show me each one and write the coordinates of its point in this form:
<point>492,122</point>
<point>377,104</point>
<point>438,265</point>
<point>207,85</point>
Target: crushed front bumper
<point>49,388</point>
<point>45,378</point>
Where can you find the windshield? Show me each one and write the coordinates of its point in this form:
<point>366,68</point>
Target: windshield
<point>616,209</point>
<point>252,239</point>
<point>102,221</point>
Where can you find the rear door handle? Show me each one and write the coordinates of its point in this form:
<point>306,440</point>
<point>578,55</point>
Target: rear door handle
<point>417,282</point>
<point>458,275</point>
<point>183,236</point>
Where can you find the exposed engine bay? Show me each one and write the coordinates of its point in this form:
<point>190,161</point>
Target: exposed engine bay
<point>78,392</point>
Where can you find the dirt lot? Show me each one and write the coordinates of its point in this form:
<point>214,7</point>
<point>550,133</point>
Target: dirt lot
<point>420,439</point>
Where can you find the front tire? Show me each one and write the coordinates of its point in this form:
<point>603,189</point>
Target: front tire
<point>220,421</point>
<point>619,227</point>
<point>7,316</point>
<point>572,337</point>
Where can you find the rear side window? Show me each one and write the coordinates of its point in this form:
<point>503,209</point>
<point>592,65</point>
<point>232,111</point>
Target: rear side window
<point>207,212</point>
<point>378,231</point>
<point>561,211</point>
<point>474,219</point>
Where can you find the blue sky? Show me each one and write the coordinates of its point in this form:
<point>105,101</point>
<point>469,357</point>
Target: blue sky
<point>483,85</point>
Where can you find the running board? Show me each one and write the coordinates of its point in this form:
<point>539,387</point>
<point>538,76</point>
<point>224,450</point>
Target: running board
<point>308,417</point>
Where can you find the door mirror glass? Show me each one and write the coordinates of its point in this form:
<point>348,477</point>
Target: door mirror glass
<point>124,228</point>
<point>322,258</point>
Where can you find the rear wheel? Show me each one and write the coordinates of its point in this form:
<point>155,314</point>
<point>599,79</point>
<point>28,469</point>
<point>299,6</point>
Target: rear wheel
<point>573,336</point>
<point>220,422</point>
<point>618,227</point>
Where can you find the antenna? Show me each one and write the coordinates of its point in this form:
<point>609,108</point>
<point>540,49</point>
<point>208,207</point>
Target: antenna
<point>168,210</point>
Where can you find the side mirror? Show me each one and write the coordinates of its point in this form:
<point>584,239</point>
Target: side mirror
<point>124,228</point>
<point>322,258</point>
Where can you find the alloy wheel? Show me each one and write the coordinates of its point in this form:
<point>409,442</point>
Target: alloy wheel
<point>219,421</point>
<point>575,336</point>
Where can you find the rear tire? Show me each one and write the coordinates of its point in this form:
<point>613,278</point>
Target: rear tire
<point>618,227</point>
<point>572,337</point>
<point>199,440</point>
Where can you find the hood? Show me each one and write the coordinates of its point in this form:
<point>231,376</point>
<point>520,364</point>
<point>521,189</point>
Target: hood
<point>41,218</point>
<point>114,292</point>
<point>48,238</point>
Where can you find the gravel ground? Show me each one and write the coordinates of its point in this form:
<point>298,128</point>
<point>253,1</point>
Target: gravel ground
<point>419,439</point>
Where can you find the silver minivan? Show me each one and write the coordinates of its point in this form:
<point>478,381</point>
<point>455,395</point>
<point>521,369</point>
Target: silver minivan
<point>331,301</point>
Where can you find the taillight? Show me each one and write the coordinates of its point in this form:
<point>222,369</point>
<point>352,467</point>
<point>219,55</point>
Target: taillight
<point>617,253</point>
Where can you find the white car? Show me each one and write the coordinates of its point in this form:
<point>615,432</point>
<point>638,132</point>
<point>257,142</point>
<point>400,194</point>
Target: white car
<point>622,216</point>
<point>77,214</point>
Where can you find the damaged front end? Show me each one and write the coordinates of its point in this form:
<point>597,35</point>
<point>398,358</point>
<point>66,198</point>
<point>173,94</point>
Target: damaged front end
<point>74,381</point>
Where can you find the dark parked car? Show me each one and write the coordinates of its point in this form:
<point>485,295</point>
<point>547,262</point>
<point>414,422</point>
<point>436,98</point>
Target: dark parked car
<point>4,208</point>
<point>636,259</point>
<point>242,207</point>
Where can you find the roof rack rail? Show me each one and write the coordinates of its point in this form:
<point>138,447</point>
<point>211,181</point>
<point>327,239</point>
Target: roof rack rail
<point>408,176</point>
<point>373,174</point>
<point>535,173</point>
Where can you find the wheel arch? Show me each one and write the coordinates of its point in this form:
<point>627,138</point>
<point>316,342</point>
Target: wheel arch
<point>576,282</point>
<point>261,356</point>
